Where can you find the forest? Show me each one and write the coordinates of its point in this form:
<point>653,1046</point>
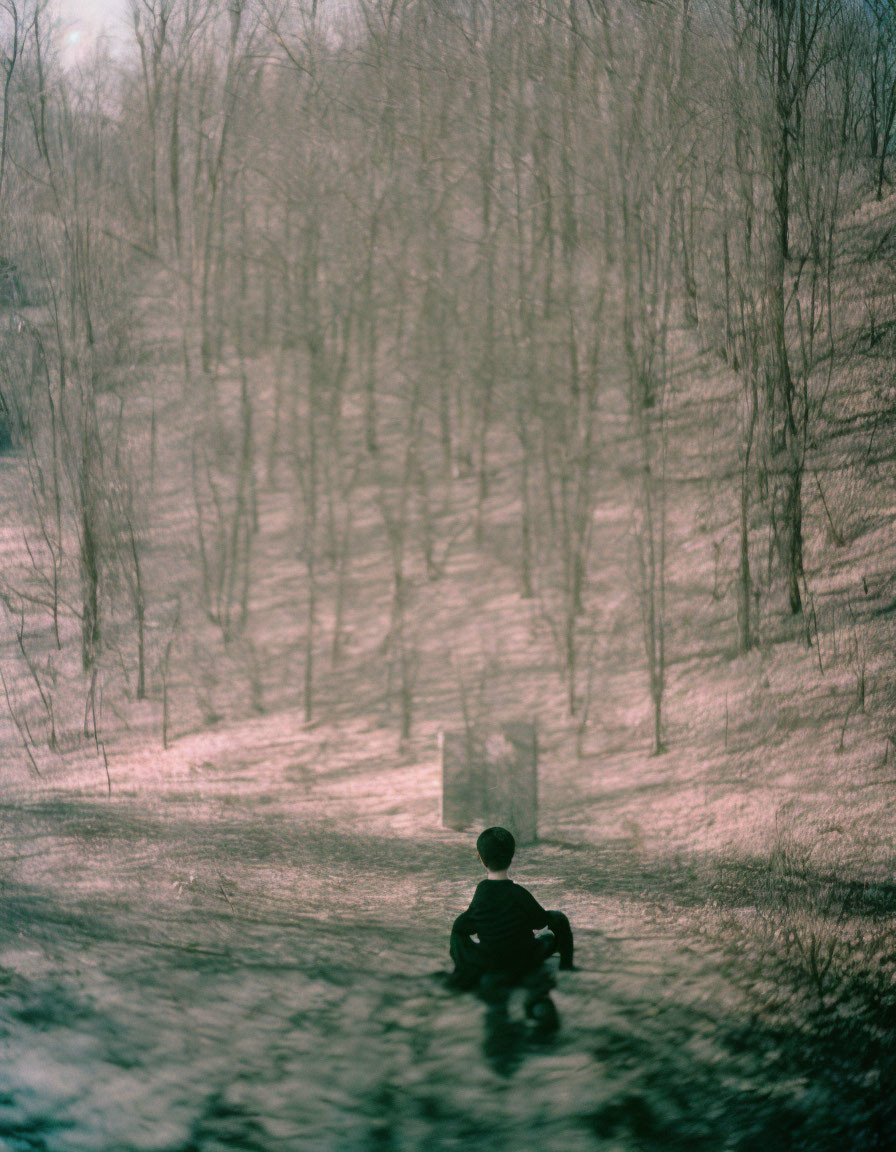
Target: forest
<point>378,368</point>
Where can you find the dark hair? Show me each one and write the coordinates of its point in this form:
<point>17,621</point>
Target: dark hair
<point>496,847</point>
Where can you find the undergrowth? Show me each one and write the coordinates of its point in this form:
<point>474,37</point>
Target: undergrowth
<point>815,959</point>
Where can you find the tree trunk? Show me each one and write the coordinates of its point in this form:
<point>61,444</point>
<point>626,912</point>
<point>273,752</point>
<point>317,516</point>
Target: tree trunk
<point>308,686</point>
<point>658,746</point>
<point>744,581</point>
<point>793,529</point>
<point>90,579</point>
<point>526,528</point>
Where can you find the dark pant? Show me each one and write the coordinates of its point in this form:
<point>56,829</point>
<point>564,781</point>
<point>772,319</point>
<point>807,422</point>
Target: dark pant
<point>469,965</point>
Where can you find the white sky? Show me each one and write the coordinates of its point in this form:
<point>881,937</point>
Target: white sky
<point>83,21</point>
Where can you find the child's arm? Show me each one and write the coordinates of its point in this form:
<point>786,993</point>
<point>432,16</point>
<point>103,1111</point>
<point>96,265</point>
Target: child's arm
<point>463,925</point>
<point>536,917</point>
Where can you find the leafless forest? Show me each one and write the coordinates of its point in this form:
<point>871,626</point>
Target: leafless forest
<point>376,367</point>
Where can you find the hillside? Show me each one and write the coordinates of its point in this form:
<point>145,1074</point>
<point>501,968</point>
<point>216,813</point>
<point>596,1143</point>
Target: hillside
<point>260,905</point>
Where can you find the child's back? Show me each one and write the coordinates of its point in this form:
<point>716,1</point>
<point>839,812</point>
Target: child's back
<point>504,916</point>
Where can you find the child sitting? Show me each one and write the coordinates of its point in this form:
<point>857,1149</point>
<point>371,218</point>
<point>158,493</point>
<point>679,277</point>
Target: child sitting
<point>504,916</point>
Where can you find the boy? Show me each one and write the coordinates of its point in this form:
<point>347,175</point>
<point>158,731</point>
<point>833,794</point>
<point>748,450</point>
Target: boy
<point>505,917</point>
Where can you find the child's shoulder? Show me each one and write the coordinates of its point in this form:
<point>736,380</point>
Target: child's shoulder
<point>524,896</point>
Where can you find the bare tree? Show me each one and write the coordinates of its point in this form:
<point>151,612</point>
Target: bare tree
<point>69,354</point>
<point>650,148</point>
<point>18,21</point>
<point>150,20</point>
<point>792,48</point>
<point>880,62</point>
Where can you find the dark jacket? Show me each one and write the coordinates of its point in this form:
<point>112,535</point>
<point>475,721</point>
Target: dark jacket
<point>503,915</point>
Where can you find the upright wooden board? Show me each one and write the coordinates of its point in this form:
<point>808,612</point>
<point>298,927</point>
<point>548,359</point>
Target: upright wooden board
<point>491,777</point>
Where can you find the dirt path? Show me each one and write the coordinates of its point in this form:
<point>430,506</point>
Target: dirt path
<point>253,970</point>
